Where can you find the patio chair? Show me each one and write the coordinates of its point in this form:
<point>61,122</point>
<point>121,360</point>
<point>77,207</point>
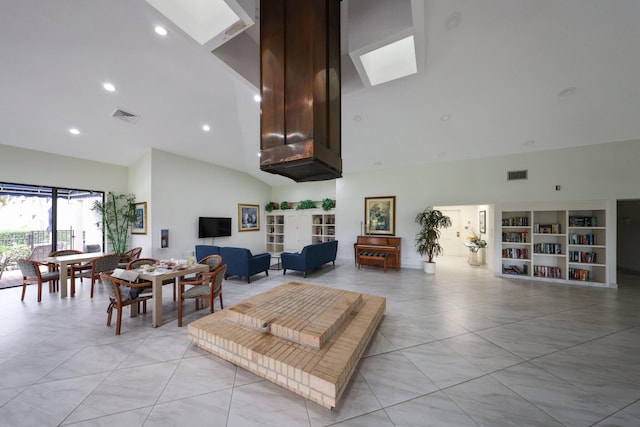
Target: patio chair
<point>207,286</point>
<point>123,294</point>
<point>32,275</point>
<point>104,264</point>
<point>143,261</point>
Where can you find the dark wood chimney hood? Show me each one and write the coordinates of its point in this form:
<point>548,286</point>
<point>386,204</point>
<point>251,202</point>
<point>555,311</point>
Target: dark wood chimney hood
<point>300,89</point>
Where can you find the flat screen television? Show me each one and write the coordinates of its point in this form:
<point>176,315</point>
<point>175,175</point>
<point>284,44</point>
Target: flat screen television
<point>214,227</point>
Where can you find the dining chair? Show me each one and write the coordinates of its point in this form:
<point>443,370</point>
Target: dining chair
<point>32,275</point>
<point>146,261</point>
<point>54,267</point>
<point>131,255</point>
<point>207,286</point>
<point>104,264</point>
<point>123,294</point>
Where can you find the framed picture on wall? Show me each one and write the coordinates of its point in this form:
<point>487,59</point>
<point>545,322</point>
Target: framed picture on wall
<point>248,217</point>
<point>139,225</point>
<point>483,222</point>
<point>380,215</point>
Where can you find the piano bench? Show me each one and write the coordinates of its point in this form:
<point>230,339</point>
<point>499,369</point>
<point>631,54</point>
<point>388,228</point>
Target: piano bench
<point>375,256</point>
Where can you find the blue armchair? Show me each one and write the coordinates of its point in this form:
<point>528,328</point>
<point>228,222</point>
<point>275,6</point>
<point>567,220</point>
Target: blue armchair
<point>240,262</point>
<point>203,251</point>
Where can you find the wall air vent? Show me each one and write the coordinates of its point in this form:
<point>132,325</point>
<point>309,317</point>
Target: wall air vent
<point>125,116</point>
<point>513,175</point>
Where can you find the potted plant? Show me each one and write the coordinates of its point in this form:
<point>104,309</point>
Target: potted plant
<point>284,205</point>
<point>327,204</point>
<point>270,206</point>
<point>475,243</point>
<point>118,213</point>
<point>430,221</point>
<point>305,204</point>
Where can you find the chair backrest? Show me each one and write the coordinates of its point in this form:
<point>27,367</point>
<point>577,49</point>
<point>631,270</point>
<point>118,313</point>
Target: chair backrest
<point>140,262</point>
<point>216,282</point>
<point>28,268</point>
<point>40,253</point>
<point>106,263</point>
<point>120,289</point>
<point>134,253</point>
<point>92,248</point>
<point>213,261</point>
<point>64,252</point>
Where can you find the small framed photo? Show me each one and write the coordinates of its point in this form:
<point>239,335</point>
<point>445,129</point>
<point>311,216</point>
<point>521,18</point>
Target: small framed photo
<point>380,215</point>
<point>248,217</point>
<point>139,225</point>
<point>483,222</point>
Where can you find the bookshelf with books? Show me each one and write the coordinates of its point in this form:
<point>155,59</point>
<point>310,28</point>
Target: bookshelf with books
<point>549,244</point>
<point>323,227</point>
<point>587,246</point>
<point>516,243</point>
<point>275,232</point>
<point>557,244</point>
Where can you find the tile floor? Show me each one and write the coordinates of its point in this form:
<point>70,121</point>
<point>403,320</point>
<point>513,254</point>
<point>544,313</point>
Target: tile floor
<point>461,348</point>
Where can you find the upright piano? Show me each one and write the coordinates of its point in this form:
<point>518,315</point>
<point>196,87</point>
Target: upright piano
<point>377,250</point>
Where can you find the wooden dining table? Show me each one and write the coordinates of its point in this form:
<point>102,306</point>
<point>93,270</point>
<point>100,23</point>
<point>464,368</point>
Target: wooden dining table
<point>64,261</point>
<point>159,275</point>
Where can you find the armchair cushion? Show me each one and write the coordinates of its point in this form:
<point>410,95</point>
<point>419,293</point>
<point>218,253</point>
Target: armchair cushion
<point>241,262</point>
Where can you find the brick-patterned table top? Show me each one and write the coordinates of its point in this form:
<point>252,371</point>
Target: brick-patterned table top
<point>306,338</point>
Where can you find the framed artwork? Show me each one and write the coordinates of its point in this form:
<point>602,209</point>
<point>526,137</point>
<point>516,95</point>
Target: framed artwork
<point>483,222</point>
<point>248,217</point>
<point>139,225</point>
<point>380,215</point>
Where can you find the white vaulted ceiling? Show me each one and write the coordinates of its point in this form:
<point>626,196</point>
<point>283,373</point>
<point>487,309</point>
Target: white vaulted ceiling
<point>491,79</point>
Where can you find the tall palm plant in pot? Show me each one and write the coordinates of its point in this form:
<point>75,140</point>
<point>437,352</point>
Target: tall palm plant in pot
<point>118,213</point>
<point>431,221</point>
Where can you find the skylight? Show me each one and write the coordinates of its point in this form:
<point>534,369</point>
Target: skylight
<point>390,62</point>
<point>201,19</point>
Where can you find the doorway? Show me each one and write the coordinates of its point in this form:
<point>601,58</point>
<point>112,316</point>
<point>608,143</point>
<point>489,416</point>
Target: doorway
<point>628,234</point>
<point>466,221</point>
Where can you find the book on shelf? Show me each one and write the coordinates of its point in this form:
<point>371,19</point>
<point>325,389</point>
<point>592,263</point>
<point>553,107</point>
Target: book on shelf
<point>583,221</point>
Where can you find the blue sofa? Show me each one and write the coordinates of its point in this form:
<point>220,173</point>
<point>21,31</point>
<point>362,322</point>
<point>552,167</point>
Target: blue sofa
<point>310,258</point>
<point>241,262</point>
<point>206,250</point>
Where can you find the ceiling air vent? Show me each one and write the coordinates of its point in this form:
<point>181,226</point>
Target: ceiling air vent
<point>513,175</point>
<point>125,116</point>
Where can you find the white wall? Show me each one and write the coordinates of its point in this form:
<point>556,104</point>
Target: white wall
<point>315,191</point>
<point>184,189</point>
<point>140,185</point>
<point>21,166</point>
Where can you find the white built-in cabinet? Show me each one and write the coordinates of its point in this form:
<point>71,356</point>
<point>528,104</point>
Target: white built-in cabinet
<point>566,245</point>
<point>291,230</point>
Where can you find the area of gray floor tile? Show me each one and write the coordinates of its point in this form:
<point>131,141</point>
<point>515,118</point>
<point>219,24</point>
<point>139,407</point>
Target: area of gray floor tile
<point>460,348</point>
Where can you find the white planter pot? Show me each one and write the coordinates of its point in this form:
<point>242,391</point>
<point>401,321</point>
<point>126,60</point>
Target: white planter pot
<point>430,267</point>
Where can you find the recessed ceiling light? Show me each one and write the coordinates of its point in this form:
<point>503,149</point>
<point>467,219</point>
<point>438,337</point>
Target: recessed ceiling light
<point>109,87</point>
<point>74,131</point>
<point>259,154</point>
<point>453,21</point>
<point>568,91</point>
<point>160,30</point>
<point>445,117</point>
<point>206,128</point>
<point>257,98</point>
